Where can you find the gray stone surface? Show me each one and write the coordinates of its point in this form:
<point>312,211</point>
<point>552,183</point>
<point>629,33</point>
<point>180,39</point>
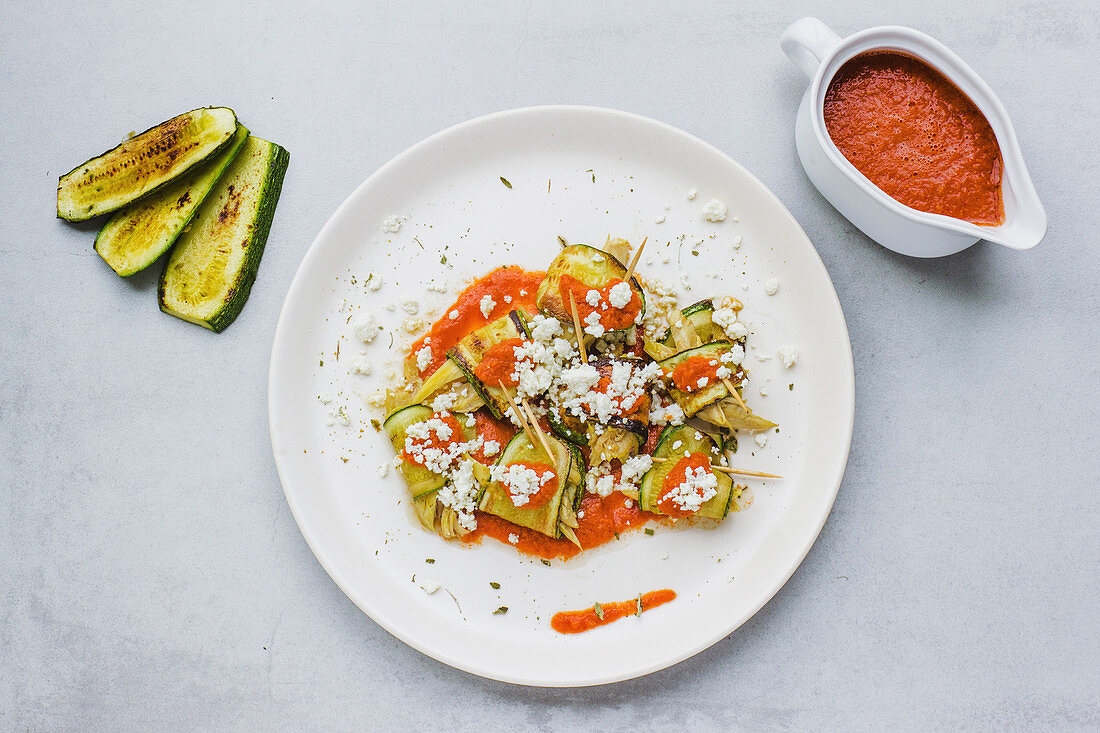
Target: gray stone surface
<point>152,576</point>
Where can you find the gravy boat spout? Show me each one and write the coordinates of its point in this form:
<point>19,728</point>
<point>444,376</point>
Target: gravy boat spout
<point>819,53</point>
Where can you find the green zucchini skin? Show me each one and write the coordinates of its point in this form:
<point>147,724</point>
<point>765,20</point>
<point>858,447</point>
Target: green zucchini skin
<point>691,441</point>
<point>138,234</point>
<point>692,402</point>
<point>544,518</point>
<point>470,351</point>
<point>591,265</point>
<point>210,272</point>
<point>143,163</point>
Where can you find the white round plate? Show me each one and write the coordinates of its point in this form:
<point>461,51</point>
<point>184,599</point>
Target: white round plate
<point>581,173</point>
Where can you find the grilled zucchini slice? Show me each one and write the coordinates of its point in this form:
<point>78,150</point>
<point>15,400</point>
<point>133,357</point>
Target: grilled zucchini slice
<point>138,234</point>
<point>676,442</point>
<point>210,273</point>
<point>546,517</point>
<point>590,265</point>
<point>692,402</point>
<point>420,480</point>
<point>469,352</point>
<point>143,163</point>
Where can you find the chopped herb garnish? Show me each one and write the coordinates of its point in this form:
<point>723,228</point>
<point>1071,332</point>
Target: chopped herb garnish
<point>375,424</point>
<point>443,260</point>
<point>694,253</point>
<point>494,585</point>
<point>791,386</point>
<point>562,242</point>
<point>599,611</point>
<point>649,531</point>
<point>502,609</point>
<point>616,535</point>
<point>505,181</point>
<point>429,560</point>
<point>545,562</point>
<point>322,362</point>
<point>639,611</point>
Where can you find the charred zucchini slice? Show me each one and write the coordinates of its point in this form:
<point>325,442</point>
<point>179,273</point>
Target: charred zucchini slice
<point>420,480</point>
<point>566,426</point>
<point>590,265</point>
<point>693,402</point>
<point>674,444</point>
<point>143,163</point>
<point>138,234</point>
<point>544,518</point>
<point>470,351</point>
<point>700,316</point>
<point>213,265</point>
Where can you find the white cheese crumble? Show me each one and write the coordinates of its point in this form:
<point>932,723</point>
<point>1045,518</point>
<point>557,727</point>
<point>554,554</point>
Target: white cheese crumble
<point>453,315</point>
<point>437,286</point>
<point>513,538</point>
<point>592,297</point>
<point>592,325</point>
<point>788,355</point>
<point>392,224</point>
<point>383,470</point>
<point>699,485</point>
<point>409,305</point>
<point>423,358</point>
<point>365,327</point>
<point>487,305</point>
<point>761,439</point>
<point>715,211</point>
<point>692,194</point>
<point>374,281</point>
<point>771,287</point>
<point>491,448</point>
<point>429,586</point>
<point>659,220</point>
<point>361,365</point>
<point>620,295</point>
<point>325,398</point>
<point>521,482</point>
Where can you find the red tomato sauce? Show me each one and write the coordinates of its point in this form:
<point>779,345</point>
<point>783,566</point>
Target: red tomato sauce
<point>611,318</point>
<point>916,136</point>
<point>676,477</point>
<point>508,281</point>
<point>604,518</point>
<point>490,429</point>
<point>687,373</point>
<point>574,622</point>
<point>498,364</point>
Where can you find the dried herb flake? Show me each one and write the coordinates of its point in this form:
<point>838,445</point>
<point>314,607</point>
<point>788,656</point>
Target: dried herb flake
<point>494,585</point>
<point>599,611</point>
<point>502,609</point>
<point>505,181</point>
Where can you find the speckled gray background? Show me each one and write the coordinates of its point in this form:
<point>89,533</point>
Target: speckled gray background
<point>152,576</point>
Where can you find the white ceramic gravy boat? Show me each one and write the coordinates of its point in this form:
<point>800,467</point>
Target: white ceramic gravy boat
<point>819,52</point>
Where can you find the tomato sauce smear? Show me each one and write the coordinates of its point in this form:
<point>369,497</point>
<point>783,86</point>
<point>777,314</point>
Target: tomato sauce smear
<point>575,622</point>
<point>501,284</point>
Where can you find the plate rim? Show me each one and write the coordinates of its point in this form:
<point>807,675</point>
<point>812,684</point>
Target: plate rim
<point>311,252</point>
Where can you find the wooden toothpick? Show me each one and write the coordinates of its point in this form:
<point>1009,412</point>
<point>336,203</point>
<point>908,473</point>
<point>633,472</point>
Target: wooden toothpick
<point>725,469</point>
<point>538,429</point>
<point>733,393</point>
<point>577,327</point>
<point>634,261</point>
<point>518,413</point>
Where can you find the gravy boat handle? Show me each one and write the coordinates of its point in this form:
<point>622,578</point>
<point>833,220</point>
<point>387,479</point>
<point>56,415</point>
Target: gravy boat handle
<point>807,42</point>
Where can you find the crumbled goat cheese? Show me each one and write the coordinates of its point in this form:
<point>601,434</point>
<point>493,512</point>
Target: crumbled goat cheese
<point>513,538</point>
<point>365,327</point>
<point>390,307</point>
<point>392,224</point>
<point>428,586</point>
<point>374,281</point>
<point>715,211</point>
<point>692,194</point>
<point>725,318</point>
<point>699,486</point>
<point>453,315</point>
<point>460,494</point>
<point>522,482</point>
<point>325,398</point>
<point>544,328</point>
<point>761,439</point>
<point>659,220</point>
<point>487,305</point>
<point>409,305</point>
<point>361,365</point>
<point>444,401</point>
<point>437,286</point>
<point>423,358</point>
<point>620,295</point>
<point>763,391</point>
<point>771,287</point>
<point>383,470</point>
<point>670,414</point>
<point>491,448</point>
<point>636,467</point>
<point>737,241</point>
<point>592,297</point>
<point>788,355</point>
<point>592,325</point>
